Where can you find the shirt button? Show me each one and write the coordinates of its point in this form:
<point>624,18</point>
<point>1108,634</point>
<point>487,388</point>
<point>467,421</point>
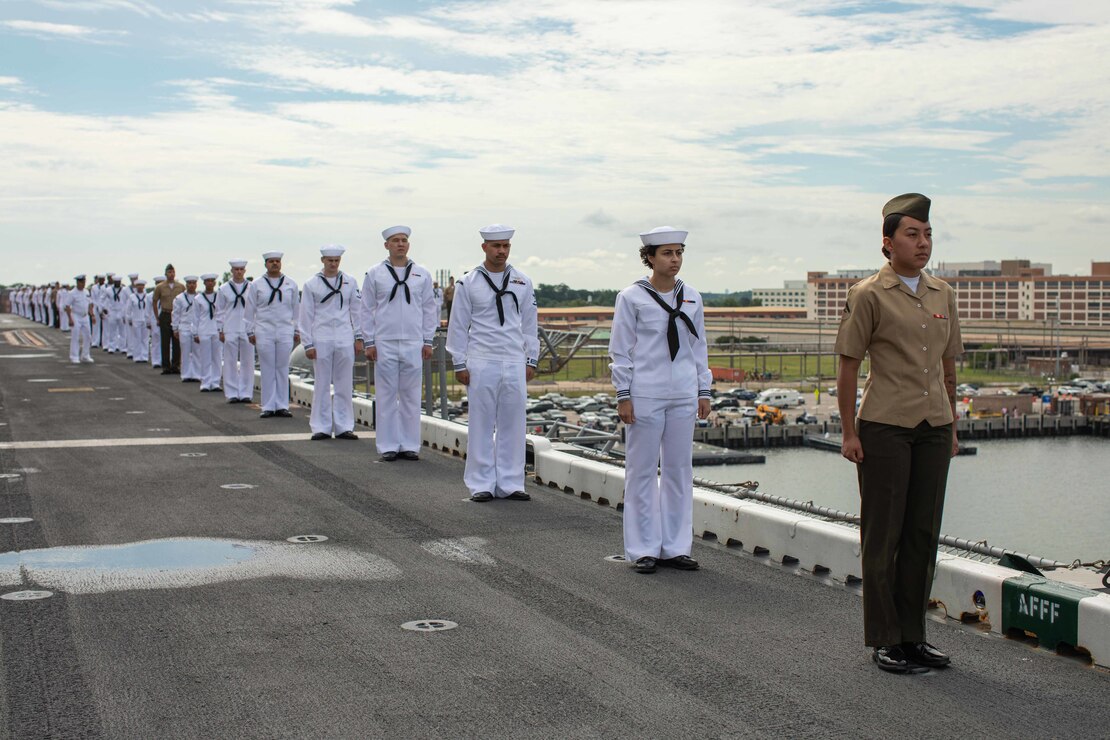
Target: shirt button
<point>922,326</point>
<point>919,305</point>
<point>924,349</point>
<point>926,369</point>
<point>926,393</point>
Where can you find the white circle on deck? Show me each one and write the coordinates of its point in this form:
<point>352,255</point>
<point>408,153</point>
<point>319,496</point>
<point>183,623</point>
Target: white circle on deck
<point>237,486</point>
<point>117,398</point>
<point>135,412</point>
<point>16,520</point>
<point>8,476</point>
<point>26,595</point>
<point>306,539</point>
<point>42,380</point>
<point>194,454</point>
<point>429,625</point>
<point>158,429</point>
<point>26,471</point>
<point>102,388</point>
<point>3,423</point>
<point>616,558</point>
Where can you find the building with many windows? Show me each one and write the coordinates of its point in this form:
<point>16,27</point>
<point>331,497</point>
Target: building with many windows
<point>1018,291</point>
<point>792,294</point>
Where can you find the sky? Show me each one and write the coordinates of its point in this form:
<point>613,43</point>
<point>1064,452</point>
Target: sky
<point>136,132</point>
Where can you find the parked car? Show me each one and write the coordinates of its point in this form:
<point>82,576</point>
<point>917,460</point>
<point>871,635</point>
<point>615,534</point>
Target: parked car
<point>749,412</point>
<point>568,404</point>
<point>588,405</point>
<point>724,402</point>
<point>806,418</point>
<point>603,397</point>
<point>779,398</point>
<point>539,407</point>
<point>1030,390</point>
<point>743,394</point>
<point>964,389</point>
<point>555,415</point>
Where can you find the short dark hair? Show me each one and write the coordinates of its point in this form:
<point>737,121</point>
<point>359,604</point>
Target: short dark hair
<point>645,252</point>
<point>890,225</point>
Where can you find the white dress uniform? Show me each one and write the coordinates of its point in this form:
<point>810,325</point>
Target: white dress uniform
<point>399,317</point>
<point>62,297</point>
<point>80,340</point>
<point>116,303</point>
<point>138,308</point>
<point>204,326</point>
<point>272,320</point>
<point>330,322</point>
<point>231,310</point>
<point>492,334</point>
<point>182,322</point>
<point>660,361</point>
<point>95,292</point>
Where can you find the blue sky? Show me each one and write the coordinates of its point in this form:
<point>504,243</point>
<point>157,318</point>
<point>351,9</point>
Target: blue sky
<point>139,131</point>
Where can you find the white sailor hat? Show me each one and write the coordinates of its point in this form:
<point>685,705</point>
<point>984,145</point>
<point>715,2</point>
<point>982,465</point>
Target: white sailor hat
<point>332,250</point>
<point>110,274</point>
<point>97,277</point>
<point>497,233</point>
<point>79,277</point>
<point>190,278</point>
<point>132,275</point>
<point>394,230</point>
<point>661,235</point>
<point>273,255</point>
<point>237,262</point>
<point>140,281</point>
<point>159,278</point>
<point>207,276</point>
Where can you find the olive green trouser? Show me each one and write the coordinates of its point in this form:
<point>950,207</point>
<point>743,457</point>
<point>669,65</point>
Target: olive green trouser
<point>901,481</point>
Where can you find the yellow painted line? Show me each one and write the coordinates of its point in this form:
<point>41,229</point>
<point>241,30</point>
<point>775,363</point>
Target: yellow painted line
<point>54,444</point>
<point>69,390</point>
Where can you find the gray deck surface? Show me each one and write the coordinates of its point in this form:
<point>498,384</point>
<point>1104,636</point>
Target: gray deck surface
<point>553,641</point>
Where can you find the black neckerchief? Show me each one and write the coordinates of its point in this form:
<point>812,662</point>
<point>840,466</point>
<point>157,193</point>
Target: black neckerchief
<point>397,282</point>
<point>239,295</point>
<point>337,289</point>
<point>274,291</point>
<point>188,303</point>
<point>115,293</point>
<point>673,314</point>
<point>211,305</point>
<point>142,299</point>
<point>499,294</point>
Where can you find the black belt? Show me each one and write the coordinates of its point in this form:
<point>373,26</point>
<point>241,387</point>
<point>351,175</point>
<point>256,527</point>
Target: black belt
<point>335,290</point>
<point>397,283</point>
<point>673,314</point>
<point>499,294</point>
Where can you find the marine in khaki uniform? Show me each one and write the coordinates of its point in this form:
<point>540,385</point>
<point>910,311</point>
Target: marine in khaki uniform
<point>904,436</point>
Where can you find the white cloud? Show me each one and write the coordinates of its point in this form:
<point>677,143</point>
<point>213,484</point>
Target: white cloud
<point>66,30</point>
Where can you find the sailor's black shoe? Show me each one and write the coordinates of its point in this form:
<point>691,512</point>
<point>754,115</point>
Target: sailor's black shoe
<point>389,456</point>
<point>681,562</point>
<point>925,654</point>
<point>646,564</point>
<point>894,660</point>
<point>518,496</point>
<point>320,435</point>
<point>481,497</point>
<point>409,455</point>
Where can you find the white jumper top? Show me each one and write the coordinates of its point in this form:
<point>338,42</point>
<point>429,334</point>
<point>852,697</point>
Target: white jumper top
<point>273,305</point>
<point>642,362</point>
<point>231,307</point>
<point>331,310</point>
<point>389,311</point>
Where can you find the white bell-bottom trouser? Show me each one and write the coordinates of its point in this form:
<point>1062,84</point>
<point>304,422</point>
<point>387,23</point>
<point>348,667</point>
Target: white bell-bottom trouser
<point>210,353</point>
<point>155,333</point>
<point>190,356</point>
<point>238,366</point>
<point>80,340</point>
<point>140,342</point>
<point>334,366</point>
<point>115,333</point>
<point>273,350</point>
<point>397,375</point>
<point>495,446</point>
<point>63,321</point>
<point>659,497</point>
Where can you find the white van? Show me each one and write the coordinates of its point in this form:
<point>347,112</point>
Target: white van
<point>779,397</point>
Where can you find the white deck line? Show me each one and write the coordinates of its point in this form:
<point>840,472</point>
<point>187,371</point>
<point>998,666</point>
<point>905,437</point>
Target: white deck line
<point>48,444</point>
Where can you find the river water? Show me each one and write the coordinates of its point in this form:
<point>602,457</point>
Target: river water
<point>1047,497</point>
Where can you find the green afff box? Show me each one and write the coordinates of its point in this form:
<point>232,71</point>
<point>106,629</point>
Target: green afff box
<point>1048,609</point>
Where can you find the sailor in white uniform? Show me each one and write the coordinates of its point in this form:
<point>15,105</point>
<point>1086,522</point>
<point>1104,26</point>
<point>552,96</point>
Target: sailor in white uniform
<point>231,312</point>
<point>128,324</point>
<point>79,311</point>
<point>272,329</point>
<point>494,347</point>
<point>115,302</point>
<point>399,320</point>
<point>181,323</point>
<point>61,295</point>
<point>96,297</point>
<point>138,312</point>
<point>660,369</point>
<point>331,329</point>
<point>204,325</point>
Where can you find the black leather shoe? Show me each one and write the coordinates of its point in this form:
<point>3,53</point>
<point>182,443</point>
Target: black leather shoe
<point>518,496</point>
<point>645,564</point>
<point>409,455</point>
<point>680,562</point>
<point>925,654</point>
<point>347,435</point>
<point>320,435</point>
<point>285,413</point>
<point>389,456</point>
<point>265,414</point>
<point>892,659</point>
<point>481,497</point>
<point>233,400</point>
<point>244,400</point>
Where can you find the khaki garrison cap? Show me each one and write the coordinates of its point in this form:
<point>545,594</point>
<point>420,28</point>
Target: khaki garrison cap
<point>914,205</point>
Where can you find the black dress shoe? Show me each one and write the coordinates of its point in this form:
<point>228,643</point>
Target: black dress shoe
<point>233,400</point>
<point>167,372</point>
<point>346,435</point>
<point>925,654</point>
<point>518,496</point>
<point>320,435</point>
<point>284,413</point>
<point>680,562</point>
<point>409,455</point>
<point>893,659</point>
<point>244,400</point>
<point>265,414</point>
<point>481,497</point>
<point>389,456</point>
<point>646,564</point>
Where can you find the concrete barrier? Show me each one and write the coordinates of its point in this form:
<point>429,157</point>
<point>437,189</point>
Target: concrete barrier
<point>970,590</point>
<point>1094,628</point>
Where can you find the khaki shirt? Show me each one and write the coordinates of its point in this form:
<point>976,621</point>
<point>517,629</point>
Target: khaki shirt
<point>165,293</point>
<point>907,336</point>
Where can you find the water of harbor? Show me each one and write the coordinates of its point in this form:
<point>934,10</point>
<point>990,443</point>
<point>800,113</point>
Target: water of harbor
<point>1046,496</point>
